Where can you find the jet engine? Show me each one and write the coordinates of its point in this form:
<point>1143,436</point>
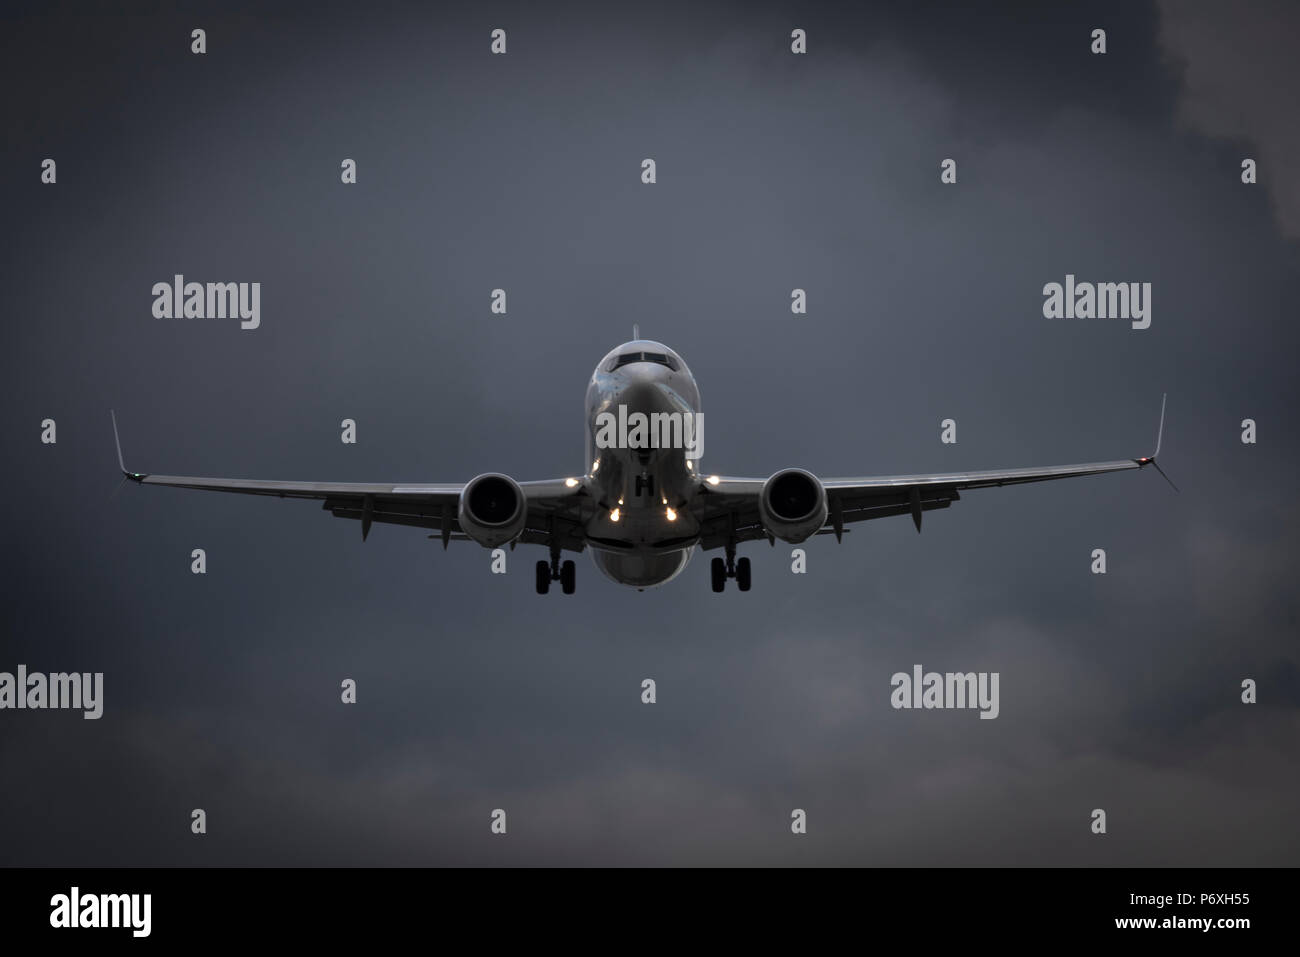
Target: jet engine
<point>792,505</point>
<point>492,509</point>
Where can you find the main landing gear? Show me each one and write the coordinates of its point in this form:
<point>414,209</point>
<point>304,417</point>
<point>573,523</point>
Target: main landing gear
<point>565,573</point>
<point>731,568</point>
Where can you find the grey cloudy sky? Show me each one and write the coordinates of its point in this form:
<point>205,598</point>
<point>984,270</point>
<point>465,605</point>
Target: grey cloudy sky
<point>774,171</point>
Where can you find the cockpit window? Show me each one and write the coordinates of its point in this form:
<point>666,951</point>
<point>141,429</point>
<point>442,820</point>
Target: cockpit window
<point>623,358</point>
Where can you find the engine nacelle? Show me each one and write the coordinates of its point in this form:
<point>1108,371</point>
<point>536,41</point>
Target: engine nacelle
<point>492,509</point>
<point>792,505</point>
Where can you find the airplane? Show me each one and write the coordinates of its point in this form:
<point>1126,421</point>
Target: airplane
<point>642,510</point>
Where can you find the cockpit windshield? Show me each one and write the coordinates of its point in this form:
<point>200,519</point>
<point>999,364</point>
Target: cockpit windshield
<point>624,358</point>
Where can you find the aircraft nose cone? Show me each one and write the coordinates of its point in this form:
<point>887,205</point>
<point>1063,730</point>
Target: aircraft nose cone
<point>646,395</point>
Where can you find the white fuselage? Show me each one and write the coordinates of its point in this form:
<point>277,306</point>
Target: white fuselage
<point>642,533</point>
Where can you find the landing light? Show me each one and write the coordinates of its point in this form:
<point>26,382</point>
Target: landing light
<point>571,482</point>
<point>672,516</point>
<point>613,516</point>
<point>713,480</point>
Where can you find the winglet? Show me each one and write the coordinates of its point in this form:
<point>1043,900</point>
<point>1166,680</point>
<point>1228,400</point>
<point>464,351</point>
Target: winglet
<point>1151,459</point>
<point>134,476</point>
<point>1160,432</point>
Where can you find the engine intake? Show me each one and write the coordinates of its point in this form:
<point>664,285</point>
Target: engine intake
<point>792,505</point>
<point>492,509</point>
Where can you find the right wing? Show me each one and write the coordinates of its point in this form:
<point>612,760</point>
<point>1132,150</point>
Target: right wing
<point>555,508</point>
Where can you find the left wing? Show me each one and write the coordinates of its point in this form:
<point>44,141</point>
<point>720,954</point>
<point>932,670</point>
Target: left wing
<point>730,507</point>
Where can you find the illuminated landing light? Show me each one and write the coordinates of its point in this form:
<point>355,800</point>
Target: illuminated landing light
<point>690,465</point>
<point>672,516</point>
<point>620,501</point>
<point>713,480</point>
<point>613,516</point>
<point>595,465</point>
<point>571,482</point>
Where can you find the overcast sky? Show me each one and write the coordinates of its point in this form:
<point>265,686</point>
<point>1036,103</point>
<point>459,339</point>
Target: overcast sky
<point>775,171</point>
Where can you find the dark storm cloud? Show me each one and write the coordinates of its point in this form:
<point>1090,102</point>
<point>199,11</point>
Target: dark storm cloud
<point>476,172</point>
<point>1237,67</point>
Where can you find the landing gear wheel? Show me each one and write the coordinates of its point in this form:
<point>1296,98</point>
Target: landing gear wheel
<point>718,570</point>
<point>568,577</point>
<point>543,578</point>
<point>742,574</point>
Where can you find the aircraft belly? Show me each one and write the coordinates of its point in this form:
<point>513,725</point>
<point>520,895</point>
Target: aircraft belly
<point>641,568</point>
